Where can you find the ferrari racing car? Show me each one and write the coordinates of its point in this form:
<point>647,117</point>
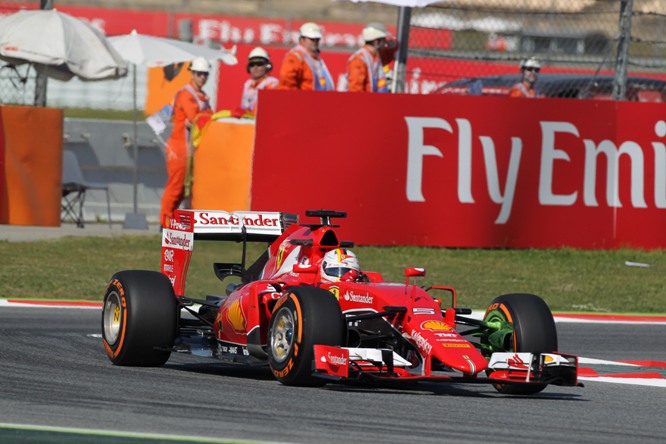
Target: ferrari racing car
<point>306,309</point>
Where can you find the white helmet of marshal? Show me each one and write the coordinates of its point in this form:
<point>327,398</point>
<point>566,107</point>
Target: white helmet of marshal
<point>532,62</point>
<point>259,53</point>
<point>200,64</point>
<point>337,263</point>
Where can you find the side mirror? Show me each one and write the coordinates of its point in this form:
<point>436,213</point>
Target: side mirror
<point>413,272</point>
<point>349,276</point>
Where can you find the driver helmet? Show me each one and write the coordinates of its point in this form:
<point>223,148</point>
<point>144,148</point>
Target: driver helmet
<point>337,263</point>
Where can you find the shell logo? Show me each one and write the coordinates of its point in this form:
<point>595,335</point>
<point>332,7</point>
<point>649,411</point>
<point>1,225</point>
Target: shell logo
<point>236,317</point>
<point>218,321</point>
<point>436,326</point>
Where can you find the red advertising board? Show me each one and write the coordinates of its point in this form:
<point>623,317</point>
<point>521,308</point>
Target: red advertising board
<point>277,35</point>
<point>3,183</point>
<point>227,29</point>
<point>466,171</point>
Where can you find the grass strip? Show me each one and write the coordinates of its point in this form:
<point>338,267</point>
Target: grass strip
<point>597,281</point>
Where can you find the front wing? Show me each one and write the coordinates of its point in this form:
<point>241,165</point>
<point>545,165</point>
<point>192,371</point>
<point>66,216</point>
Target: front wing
<point>383,365</point>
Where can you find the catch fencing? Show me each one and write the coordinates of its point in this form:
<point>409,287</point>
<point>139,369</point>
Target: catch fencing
<point>448,41</point>
<point>470,38</point>
<point>16,84</point>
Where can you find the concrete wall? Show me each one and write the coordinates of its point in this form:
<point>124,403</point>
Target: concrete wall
<point>105,151</point>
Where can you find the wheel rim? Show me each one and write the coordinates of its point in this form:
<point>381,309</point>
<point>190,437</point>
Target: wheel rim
<point>498,316</point>
<point>112,317</point>
<point>282,335</point>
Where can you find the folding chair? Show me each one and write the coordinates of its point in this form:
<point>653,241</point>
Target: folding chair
<point>74,188</point>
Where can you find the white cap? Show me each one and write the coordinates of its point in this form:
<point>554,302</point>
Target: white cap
<point>311,30</point>
<point>200,64</point>
<point>374,31</point>
<point>258,53</point>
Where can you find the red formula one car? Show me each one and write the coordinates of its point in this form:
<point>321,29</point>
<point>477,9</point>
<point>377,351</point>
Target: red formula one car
<point>305,309</point>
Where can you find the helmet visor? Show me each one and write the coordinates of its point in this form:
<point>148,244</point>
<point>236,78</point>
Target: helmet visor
<point>337,271</point>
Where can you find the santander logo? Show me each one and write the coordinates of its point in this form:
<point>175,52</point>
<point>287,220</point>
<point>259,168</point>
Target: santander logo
<point>227,219</point>
<point>178,240</point>
<point>360,298</point>
<point>336,360</point>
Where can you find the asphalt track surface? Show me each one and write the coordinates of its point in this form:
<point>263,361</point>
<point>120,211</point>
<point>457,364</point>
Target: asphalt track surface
<point>54,373</point>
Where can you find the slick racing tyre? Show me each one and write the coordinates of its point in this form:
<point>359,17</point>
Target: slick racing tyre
<point>139,318</point>
<point>302,317</point>
<point>533,331</point>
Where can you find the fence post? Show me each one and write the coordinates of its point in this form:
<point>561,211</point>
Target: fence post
<point>40,76</point>
<point>400,68</point>
<point>622,57</point>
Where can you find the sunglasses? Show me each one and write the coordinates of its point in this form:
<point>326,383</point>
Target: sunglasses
<point>253,64</point>
<point>533,69</point>
<point>200,73</point>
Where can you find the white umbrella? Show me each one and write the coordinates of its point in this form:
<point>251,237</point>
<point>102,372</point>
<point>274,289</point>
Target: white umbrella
<point>55,39</point>
<point>150,51</point>
<point>407,3</point>
<point>146,50</point>
<point>438,20</point>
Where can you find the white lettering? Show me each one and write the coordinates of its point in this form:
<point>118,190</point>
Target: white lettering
<point>168,255</point>
<point>612,153</point>
<point>269,33</point>
<point>361,298</point>
<point>659,166</point>
<point>505,199</point>
<point>558,139</point>
<point>464,161</point>
<point>337,360</point>
<point>416,151</point>
<point>549,154</point>
<point>421,342</point>
<point>207,29</point>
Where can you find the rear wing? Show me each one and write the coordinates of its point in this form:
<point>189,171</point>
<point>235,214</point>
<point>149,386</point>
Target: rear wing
<point>240,226</point>
<point>252,226</point>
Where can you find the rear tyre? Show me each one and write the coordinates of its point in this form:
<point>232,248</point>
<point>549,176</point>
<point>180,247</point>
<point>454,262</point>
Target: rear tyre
<point>302,317</point>
<point>534,331</point>
<point>139,318</point>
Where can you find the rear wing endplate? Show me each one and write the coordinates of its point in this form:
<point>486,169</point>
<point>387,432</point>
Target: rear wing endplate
<point>188,225</point>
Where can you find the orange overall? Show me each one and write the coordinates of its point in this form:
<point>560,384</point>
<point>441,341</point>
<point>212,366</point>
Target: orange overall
<point>188,103</point>
<point>523,89</point>
<point>297,72</point>
<point>365,72</point>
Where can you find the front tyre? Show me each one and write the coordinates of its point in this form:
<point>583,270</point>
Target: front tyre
<point>302,317</point>
<point>533,328</point>
<point>139,318</point>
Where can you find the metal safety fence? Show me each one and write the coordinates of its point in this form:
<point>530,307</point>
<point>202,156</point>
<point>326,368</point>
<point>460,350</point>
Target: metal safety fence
<point>17,85</point>
<point>467,39</point>
<point>455,41</point>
